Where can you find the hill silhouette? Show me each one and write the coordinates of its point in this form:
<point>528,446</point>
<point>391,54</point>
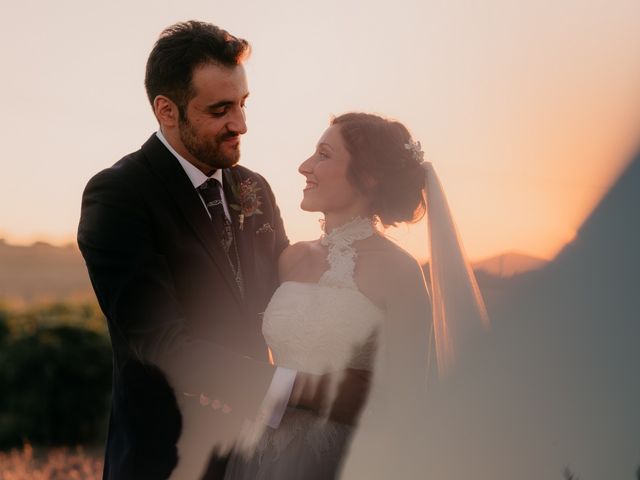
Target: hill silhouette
<point>42,272</point>
<point>509,264</point>
<point>46,272</point>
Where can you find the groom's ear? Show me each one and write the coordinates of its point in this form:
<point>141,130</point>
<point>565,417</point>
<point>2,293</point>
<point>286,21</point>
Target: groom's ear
<point>166,111</point>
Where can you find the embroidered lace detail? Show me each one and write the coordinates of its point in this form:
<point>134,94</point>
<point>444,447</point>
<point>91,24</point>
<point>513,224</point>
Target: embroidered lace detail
<point>342,256</point>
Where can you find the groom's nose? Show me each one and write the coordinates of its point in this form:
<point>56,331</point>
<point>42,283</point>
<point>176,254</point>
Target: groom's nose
<point>237,123</point>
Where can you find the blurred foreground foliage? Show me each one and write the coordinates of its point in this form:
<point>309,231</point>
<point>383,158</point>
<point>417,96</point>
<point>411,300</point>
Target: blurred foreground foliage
<point>55,375</point>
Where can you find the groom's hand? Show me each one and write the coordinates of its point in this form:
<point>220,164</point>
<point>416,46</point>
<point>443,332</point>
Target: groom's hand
<point>351,396</point>
<point>310,391</point>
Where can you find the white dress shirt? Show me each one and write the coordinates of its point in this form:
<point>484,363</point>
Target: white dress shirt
<point>277,396</point>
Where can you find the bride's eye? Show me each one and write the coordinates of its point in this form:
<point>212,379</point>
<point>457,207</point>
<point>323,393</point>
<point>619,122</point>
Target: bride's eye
<point>323,154</point>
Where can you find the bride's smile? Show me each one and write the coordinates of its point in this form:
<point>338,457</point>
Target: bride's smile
<point>309,185</point>
<point>328,188</point>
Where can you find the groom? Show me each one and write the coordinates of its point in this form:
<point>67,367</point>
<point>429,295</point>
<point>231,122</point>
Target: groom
<point>182,248</point>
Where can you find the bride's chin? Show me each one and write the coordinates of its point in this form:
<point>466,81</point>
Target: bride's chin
<point>308,206</point>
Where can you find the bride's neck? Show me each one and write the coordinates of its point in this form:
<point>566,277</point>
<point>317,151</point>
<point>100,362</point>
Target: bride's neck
<point>337,219</point>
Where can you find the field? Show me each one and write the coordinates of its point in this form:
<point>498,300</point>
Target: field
<point>28,463</point>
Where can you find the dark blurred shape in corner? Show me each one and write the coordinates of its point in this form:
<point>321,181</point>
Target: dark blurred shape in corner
<point>556,381</point>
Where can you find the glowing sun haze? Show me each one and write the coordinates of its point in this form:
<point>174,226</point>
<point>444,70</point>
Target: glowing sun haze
<point>528,110</point>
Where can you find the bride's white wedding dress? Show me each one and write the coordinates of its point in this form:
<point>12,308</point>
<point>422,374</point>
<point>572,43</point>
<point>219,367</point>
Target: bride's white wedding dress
<point>329,326</point>
<point>314,328</point>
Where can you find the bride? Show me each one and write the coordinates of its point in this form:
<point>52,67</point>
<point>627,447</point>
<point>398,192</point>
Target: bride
<point>353,308</point>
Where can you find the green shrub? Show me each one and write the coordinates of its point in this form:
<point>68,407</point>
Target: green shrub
<point>4,326</point>
<point>56,381</point>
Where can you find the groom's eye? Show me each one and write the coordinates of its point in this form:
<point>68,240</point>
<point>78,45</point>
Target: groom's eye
<point>219,110</point>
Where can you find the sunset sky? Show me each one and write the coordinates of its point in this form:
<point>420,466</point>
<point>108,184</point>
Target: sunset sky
<point>528,110</point>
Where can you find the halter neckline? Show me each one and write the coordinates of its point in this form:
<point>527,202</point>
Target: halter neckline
<point>342,256</point>
<point>356,229</point>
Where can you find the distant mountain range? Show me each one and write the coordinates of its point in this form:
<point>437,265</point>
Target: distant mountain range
<point>41,271</point>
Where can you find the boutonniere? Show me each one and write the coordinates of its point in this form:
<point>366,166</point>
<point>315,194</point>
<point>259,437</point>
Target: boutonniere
<point>246,192</point>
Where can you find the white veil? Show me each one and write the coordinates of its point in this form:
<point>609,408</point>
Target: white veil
<point>456,299</point>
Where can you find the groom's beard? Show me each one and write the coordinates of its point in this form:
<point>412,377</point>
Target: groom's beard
<point>208,151</point>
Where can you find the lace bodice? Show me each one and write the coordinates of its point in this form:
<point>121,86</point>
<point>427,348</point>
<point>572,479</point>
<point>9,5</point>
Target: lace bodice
<point>325,326</point>
<point>316,328</point>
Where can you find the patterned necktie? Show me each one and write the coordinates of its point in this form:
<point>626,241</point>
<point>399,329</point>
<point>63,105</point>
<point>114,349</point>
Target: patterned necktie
<point>211,194</point>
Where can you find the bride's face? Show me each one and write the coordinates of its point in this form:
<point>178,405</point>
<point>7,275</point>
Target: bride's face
<point>328,189</point>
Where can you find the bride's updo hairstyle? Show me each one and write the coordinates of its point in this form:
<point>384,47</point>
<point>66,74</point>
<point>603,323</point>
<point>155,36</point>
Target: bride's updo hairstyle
<point>382,167</point>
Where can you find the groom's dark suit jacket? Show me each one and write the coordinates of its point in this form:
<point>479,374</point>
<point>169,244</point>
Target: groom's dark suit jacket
<point>187,346</point>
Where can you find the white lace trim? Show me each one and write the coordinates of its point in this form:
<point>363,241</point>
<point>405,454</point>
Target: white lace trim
<point>342,256</point>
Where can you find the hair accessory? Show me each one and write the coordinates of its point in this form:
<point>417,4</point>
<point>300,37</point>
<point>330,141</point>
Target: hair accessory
<point>416,150</point>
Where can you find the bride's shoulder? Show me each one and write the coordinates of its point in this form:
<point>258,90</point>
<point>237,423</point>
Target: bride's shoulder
<point>293,256</point>
<point>387,268</point>
<point>390,257</point>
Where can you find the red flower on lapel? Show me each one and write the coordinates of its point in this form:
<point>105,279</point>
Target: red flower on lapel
<point>246,192</point>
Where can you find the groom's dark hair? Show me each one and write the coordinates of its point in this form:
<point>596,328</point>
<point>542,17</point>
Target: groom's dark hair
<point>182,48</point>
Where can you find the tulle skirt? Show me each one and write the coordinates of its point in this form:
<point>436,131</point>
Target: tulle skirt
<point>302,447</point>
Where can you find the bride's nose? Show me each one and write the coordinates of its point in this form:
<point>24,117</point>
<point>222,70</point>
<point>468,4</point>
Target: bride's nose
<point>306,166</point>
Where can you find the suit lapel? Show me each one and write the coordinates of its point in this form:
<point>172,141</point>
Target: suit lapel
<point>243,233</point>
<point>167,167</point>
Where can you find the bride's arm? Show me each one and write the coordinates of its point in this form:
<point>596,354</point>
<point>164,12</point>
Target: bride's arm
<point>391,435</point>
<point>404,337</point>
